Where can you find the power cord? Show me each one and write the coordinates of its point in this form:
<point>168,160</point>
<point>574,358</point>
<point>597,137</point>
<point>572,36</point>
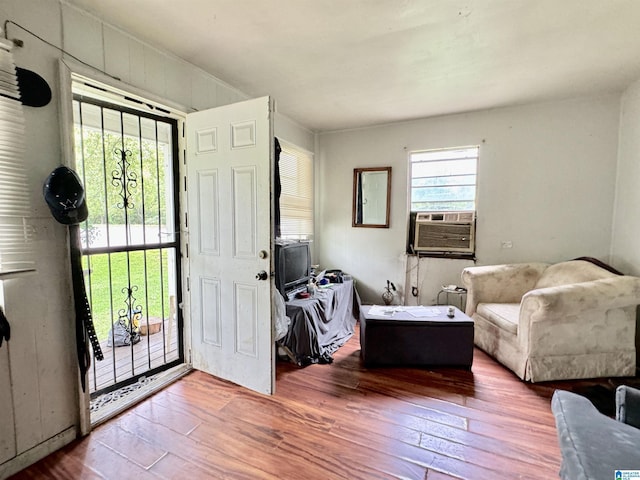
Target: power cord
<point>19,43</point>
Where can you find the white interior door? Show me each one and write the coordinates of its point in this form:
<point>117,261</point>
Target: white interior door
<point>229,198</point>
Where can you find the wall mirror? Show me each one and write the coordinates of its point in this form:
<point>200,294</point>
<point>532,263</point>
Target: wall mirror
<point>371,197</point>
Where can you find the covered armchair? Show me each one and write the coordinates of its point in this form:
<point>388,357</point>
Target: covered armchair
<point>551,322</point>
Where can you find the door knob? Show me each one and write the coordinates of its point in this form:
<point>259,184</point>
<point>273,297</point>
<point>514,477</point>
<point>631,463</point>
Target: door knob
<point>262,275</point>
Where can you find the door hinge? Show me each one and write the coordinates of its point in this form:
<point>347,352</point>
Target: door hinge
<point>188,285</point>
<point>186,220</point>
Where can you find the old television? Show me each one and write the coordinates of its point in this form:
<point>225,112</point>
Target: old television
<point>292,267</point>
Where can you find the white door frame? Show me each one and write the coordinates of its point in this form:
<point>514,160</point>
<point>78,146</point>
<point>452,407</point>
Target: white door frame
<point>67,69</point>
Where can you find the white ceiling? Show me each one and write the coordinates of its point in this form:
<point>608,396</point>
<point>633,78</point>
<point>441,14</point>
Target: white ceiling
<point>335,64</point>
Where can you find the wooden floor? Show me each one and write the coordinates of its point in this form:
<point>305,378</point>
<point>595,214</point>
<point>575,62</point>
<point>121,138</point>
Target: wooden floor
<point>122,363</point>
<point>338,421</point>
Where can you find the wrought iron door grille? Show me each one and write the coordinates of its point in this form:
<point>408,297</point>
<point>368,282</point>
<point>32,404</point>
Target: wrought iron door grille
<point>128,162</point>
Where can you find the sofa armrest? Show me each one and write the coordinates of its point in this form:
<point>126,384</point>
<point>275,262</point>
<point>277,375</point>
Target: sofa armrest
<point>628,405</point>
<point>592,444</point>
<point>565,300</point>
<point>499,283</point>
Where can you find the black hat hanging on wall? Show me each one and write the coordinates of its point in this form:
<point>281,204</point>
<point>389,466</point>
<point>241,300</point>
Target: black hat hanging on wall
<point>64,194</point>
<point>34,90</point>
<point>65,197</point>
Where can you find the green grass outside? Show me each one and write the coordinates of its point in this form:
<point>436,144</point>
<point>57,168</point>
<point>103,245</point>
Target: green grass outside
<point>108,295</point>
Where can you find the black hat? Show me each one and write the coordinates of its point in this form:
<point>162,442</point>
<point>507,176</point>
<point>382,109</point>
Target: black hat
<point>65,196</point>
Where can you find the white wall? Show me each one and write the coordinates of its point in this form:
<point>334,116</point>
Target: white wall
<point>625,249</point>
<point>546,183</point>
<point>292,132</point>
<point>42,348</point>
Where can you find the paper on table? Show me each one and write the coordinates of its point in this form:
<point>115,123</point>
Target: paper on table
<point>414,311</point>
<point>382,311</point>
<point>423,312</point>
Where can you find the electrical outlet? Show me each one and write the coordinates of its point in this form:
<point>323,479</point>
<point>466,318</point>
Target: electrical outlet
<point>506,244</point>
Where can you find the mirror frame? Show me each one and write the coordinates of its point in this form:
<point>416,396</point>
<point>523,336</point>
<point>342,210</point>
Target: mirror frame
<point>357,173</point>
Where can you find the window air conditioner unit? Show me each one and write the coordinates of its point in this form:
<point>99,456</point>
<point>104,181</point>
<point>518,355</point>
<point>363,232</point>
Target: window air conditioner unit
<point>445,232</point>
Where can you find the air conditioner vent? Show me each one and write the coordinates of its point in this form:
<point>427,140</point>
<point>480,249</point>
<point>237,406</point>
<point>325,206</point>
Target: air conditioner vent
<point>445,232</point>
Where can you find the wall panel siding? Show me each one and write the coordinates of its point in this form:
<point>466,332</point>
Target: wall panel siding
<point>82,36</point>
<point>116,53</point>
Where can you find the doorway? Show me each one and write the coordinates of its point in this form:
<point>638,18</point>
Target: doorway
<point>128,162</point>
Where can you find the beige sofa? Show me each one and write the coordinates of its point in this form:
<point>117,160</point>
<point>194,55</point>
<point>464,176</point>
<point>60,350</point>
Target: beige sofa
<point>550,322</point>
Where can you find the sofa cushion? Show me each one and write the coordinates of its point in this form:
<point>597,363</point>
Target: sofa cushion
<point>574,271</point>
<point>502,315</point>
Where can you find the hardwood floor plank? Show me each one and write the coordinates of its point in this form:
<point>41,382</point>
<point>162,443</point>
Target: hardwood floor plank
<point>179,422</point>
<point>363,400</point>
<point>245,421</point>
<point>485,420</point>
<point>435,475</point>
<point>86,459</point>
<point>110,464</point>
<point>410,429</point>
<point>343,459</point>
<point>300,425</point>
<point>337,421</point>
<point>131,446</point>
<point>174,467</point>
<point>201,454</point>
<point>439,454</point>
<point>196,392</point>
<point>64,464</point>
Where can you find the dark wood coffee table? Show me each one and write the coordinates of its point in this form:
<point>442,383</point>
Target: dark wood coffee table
<point>402,339</point>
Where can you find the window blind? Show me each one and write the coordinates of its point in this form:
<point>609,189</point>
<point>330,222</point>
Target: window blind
<point>444,179</point>
<point>15,245</point>
<point>296,198</point>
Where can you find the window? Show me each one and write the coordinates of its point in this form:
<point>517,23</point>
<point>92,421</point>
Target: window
<point>444,179</point>
<point>296,198</point>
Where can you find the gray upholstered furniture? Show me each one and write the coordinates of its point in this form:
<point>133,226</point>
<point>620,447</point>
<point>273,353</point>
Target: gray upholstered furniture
<point>549,322</point>
<point>594,446</point>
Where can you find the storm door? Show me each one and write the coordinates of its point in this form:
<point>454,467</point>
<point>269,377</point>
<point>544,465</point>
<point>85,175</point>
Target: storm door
<point>127,161</point>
